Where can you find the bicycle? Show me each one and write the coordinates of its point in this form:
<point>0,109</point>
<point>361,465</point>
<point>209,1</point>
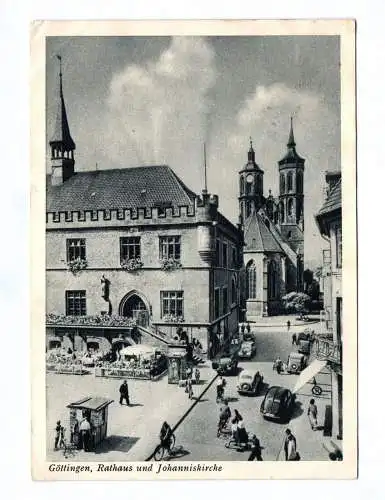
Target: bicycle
<point>316,389</point>
<point>223,427</point>
<point>161,450</point>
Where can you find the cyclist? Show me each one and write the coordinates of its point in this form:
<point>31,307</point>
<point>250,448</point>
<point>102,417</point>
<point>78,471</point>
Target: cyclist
<point>165,436</point>
<point>224,415</point>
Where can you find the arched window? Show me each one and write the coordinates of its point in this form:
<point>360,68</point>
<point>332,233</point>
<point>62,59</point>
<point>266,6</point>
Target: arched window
<point>290,181</point>
<point>299,182</point>
<point>290,205</point>
<point>248,208</point>
<point>281,212</point>
<point>249,187</point>
<point>241,185</point>
<point>234,290</point>
<point>271,280</point>
<point>251,285</point>
<point>258,186</point>
<point>282,183</point>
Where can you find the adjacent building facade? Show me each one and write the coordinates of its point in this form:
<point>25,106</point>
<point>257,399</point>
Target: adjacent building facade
<point>134,246</point>
<point>329,220</point>
<point>273,233</point>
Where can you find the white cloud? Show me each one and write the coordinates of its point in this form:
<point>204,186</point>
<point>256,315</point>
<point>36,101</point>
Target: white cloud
<point>157,112</point>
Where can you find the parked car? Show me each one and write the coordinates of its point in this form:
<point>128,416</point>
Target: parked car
<point>278,404</point>
<point>249,382</point>
<point>296,362</point>
<point>247,349</point>
<point>226,365</point>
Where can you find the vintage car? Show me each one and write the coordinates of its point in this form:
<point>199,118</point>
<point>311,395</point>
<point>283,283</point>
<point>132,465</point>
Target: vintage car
<point>249,382</point>
<point>226,364</point>
<point>296,362</point>
<point>278,404</point>
<point>247,349</point>
<point>304,347</point>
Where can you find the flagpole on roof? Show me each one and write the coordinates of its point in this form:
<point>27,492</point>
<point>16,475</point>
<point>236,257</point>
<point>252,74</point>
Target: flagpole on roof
<point>205,169</point>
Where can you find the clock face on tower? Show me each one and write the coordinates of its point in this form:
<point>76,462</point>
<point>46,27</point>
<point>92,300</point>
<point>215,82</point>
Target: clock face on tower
<point>249,179</point>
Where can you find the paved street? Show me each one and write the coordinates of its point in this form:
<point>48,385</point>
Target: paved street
<point>133,432</point>
<point>197,434</point>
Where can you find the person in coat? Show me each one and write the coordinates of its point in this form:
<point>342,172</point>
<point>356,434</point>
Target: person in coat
<point>256,452</point>
<point>312,412</point>
<point>289,437</point>
<point>124,393</point>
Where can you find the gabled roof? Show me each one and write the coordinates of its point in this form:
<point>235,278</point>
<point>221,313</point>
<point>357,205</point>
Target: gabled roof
<point>331,207</point>
<point>258,237</point>
<point>333,201</point>
<point>145,186</point>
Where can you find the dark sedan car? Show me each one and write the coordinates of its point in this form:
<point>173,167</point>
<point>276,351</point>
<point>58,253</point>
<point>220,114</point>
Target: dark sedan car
<point>226,365</point>
<point>278,403</point>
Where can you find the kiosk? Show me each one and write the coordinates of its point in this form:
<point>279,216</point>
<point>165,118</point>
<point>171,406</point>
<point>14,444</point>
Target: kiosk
<point>177,363</point>
<point>95,410</point>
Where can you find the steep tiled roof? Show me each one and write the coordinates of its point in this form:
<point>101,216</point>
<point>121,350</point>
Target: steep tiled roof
<point>118,188</point>
<point>333,201</point>
<point>258,237</point>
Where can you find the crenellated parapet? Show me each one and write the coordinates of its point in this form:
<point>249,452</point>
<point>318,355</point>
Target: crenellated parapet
<point>116,217</point>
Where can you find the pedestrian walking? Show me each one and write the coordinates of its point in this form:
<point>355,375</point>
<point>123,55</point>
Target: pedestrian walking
<point>278,365</point>
<point>237,416</point>
<point>123,389</point>
<point>57,434</point>
<point>288,325</point>
<point>292,453</point>
<point>197,375</point>
<point>243,328</point>
<point>248,327</point>
<point>189,388</point>
<point>294,339</point>
<point>256,452</point>
<point>289,437</point>
<point>312,412</point>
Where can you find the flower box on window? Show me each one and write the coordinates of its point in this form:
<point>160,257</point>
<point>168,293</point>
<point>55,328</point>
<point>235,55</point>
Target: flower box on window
<point>131,264</point>
<point>77,265</point>
<point>173,318</point>
<point>102,320</point>
<point>170,264</point>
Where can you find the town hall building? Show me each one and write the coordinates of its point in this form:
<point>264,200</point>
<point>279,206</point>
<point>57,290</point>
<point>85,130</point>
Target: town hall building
<point>133,255</point>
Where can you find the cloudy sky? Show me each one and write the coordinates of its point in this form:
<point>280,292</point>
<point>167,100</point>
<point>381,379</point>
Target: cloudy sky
<point>137,101</point>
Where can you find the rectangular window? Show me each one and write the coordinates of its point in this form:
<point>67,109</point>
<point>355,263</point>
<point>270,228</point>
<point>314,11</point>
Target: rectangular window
<point>169,247</point>
<point>216,303</point>
<point>224,255</point>
<point>130,247</point>
<point>76,248</point>
<point>218,254</point>
<point>171,303</point>
<point>76,303</point>
<point>234,258</point>
<point>339,246</point>
<point>225,300</point>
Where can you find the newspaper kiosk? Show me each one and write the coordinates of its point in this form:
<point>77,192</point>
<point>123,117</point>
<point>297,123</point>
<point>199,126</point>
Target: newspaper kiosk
<point>95,410</point>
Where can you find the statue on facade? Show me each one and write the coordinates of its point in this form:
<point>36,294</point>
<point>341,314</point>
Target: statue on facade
<point>105,288</point>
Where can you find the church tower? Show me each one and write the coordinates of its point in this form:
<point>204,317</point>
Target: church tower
<point>61,144</point>
<point>291,204</point>
<point>250,187</point>
<point>291,196</point>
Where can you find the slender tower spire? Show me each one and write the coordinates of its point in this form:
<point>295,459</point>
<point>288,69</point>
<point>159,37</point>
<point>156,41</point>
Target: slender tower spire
<point>291,142</point>
<point>62,145</point>
<point>204,191</point>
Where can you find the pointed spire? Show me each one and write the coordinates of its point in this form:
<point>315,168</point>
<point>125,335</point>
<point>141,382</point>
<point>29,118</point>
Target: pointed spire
<point>251,153</point>
<point>62,136</point>
<point>291,142</point>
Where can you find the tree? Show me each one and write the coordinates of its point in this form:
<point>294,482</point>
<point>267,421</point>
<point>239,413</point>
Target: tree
<point>307,278</point>
<point>297,301</point>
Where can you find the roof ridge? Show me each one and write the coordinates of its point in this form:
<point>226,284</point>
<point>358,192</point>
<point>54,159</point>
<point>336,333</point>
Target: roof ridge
<point>181,183</point>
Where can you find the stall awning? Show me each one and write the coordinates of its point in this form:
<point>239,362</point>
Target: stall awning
<point>308,373</point>
<point>91,403</point>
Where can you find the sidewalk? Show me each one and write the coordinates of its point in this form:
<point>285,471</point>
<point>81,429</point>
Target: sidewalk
<point>279,323</point>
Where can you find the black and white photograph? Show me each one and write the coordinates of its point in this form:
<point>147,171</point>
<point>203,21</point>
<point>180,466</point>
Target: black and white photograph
<point>193,314</point>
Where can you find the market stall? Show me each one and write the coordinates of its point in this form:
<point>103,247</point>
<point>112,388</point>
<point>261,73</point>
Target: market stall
<point>138,361</point>
<point>95,411</point>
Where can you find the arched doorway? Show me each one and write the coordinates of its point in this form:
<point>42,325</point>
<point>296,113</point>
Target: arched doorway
<point>134,306</point>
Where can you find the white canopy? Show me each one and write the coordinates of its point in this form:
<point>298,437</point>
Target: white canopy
<point>308,373</point>
<point>138,350</point>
